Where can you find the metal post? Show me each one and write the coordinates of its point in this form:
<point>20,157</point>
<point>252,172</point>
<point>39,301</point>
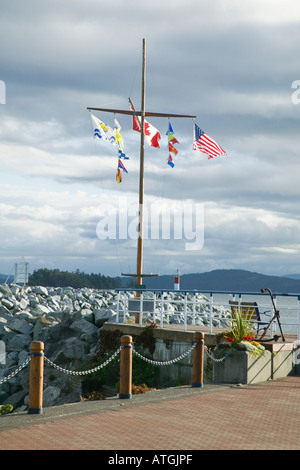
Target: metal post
<point>36,378</point>
<point>118,306</point>
<point>273,325</point>
<point>126,367</point>
<point>211,301</point>
<point>194,309</point>
<point>198,360</point>
<point>168,307</point>
<point>185,311</point>
<point>161,309</point>
<point>239,301</point>
<point>141,309</point>
<point>154,305</point>
<point>298,318</point>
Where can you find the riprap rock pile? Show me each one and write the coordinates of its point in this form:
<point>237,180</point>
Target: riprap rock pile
<point>67,321</point>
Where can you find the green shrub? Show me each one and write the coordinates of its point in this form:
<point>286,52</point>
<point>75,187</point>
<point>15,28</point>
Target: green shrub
<point>142,372</point>
<point>5,409</point>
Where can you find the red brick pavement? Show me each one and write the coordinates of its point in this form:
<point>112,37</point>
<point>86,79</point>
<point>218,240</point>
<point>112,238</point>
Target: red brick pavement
<point>263,416</point>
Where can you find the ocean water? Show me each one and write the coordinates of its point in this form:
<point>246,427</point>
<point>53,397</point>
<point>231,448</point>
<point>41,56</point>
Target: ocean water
<point>287,306</point>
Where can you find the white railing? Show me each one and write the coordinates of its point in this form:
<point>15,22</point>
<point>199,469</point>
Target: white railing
<point>208,308</point>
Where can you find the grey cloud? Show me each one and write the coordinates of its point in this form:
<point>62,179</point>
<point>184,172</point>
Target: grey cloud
<point>230,63</point>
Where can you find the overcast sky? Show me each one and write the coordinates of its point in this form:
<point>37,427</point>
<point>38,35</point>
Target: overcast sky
<point>234,64</point>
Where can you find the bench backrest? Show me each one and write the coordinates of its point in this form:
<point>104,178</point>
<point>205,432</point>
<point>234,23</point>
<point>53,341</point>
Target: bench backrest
<point>246,309</point>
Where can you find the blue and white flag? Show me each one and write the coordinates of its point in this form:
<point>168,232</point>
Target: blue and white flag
<point>123,155</point>
<point>102,131</point>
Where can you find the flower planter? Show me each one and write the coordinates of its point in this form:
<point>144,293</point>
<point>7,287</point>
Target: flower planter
<point>242,367</point>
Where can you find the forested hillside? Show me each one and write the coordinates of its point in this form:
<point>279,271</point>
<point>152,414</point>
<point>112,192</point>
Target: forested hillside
<point>56,278</point>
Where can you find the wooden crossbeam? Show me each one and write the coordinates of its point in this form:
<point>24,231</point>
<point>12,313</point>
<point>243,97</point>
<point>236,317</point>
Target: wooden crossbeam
<point>140,113</point>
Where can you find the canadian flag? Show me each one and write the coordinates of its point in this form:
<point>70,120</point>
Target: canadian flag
<point>152,135</point>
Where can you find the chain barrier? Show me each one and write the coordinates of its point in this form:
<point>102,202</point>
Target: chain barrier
<point>83,372</point>
<point>95,369</point>
<point>164,363</point>
<point>213,357</point>
<point>10,376</point>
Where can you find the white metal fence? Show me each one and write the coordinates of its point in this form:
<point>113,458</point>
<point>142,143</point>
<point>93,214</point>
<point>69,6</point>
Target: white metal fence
<point>207,308</point>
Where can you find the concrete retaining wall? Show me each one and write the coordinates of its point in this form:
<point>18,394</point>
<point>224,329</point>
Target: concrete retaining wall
<point>240,367</point>
<point>169,344</point>
<point>178,373</point>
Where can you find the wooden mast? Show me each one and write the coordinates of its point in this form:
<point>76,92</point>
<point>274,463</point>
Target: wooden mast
<point>142,113</point>
<point>139,266</point>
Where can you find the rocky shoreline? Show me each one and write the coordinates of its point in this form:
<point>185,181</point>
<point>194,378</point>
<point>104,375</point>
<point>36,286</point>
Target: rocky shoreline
<point>67,321</point>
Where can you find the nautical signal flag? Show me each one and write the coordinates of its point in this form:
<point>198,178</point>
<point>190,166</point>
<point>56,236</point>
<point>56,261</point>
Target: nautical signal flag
<point>120,165</point>
<point>119,142</point>
<point>171,142</point>
<point>123,155</point>
<point>135,123</point>
<point>170,129</point>
<point>152,135</point>
<point>204,143</point>
<point>102,131</point>
<point>119,174</point>
<point>172,139</point>
<point>170,161</point>
<point>172,149</point>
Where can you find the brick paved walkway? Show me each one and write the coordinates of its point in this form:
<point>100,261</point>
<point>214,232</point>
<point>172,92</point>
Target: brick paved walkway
<point>263,416</point>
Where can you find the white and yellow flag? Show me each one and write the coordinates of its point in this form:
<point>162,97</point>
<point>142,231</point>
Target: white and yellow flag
<point>102,131</point>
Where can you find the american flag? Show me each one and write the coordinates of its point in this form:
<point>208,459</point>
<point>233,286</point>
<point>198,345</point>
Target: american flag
<point>204,143</point>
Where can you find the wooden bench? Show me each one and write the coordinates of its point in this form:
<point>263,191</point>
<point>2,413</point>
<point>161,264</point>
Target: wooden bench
<point>248,309</point>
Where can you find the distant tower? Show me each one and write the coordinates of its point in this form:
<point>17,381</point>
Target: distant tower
<point>21,273</point>
<point>177,281</point>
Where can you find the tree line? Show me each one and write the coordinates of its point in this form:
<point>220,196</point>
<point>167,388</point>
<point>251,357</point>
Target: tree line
<point>77,279</point>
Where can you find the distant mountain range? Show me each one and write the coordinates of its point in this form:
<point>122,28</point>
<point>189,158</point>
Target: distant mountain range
<point>233,280</point>
<point>228,280</point>
<point>293,276</point>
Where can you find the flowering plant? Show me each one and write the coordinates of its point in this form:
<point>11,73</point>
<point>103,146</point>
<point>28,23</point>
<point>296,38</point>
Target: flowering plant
<point>229,339</point>
<point>239,337</point>
<point>136,389</point>
<point>246,344</point>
